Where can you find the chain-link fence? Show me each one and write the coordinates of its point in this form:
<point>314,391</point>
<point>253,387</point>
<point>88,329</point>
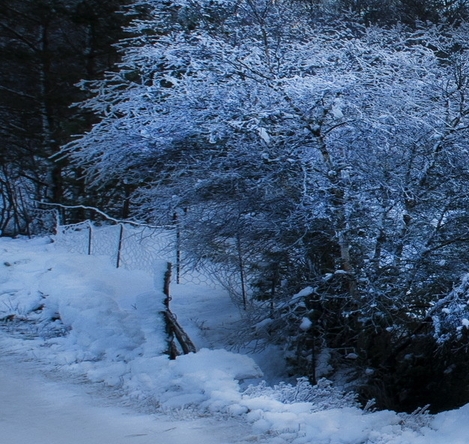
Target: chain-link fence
<point>133,248</point>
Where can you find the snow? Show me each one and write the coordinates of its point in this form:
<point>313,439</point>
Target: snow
<point>39,410</point>
<point>82,360</point>
<point>306,324</point>
<point>305,292</point>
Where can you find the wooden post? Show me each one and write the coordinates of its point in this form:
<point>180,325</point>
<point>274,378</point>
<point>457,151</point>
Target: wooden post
<point>178,247</point>
<point>167,283</point>
<point>241,271</point>
<point>172,349</point>
<point>173,329</point>
<point>57,221</point>
<point>90,234</point>
<point>119,247</point>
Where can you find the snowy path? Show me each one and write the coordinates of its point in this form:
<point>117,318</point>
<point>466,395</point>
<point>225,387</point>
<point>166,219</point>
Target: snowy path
<point>37,410</point>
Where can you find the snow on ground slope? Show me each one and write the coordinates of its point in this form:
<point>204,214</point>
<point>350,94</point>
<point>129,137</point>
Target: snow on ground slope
<point>79,317</point>
<point>39,410</point>
<point>81,313</point>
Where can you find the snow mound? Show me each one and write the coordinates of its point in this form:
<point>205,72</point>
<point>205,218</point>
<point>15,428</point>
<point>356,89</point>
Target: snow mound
<point>111,331</point>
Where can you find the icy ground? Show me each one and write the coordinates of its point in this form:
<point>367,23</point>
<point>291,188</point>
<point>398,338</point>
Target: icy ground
<point>81,361</point>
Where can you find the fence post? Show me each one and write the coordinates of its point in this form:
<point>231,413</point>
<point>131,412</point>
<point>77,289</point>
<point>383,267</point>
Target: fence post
<point>178,247</point>
<point>172,350</point>
<point>119,247</point>
<point>173,329</point>
<point>57,222</point>
<point>167,283</point>
<point>241,271</point>
<point>90,236</point>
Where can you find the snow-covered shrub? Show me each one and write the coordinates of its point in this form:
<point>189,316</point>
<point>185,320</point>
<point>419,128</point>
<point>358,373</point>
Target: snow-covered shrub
<point>322,396</point>
<point>450,315</point>
<point>301,154</point>
<point>416,420</point>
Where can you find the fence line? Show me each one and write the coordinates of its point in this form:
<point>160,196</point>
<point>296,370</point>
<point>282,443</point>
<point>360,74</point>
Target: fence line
<point>138,247</point>
<point>131,247</point>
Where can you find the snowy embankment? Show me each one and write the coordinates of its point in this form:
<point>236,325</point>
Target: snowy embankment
<point>39,409</point>
<point>79,315</point>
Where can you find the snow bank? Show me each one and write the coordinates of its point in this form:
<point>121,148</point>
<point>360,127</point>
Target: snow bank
<point>81,315</point>
<point>107,324</point>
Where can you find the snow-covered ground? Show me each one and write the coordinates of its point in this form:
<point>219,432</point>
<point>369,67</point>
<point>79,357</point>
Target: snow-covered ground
<point>81,360</point>
<point>35,409</point>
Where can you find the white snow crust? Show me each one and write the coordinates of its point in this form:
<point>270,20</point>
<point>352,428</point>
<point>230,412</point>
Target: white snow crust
<point>108,332</point>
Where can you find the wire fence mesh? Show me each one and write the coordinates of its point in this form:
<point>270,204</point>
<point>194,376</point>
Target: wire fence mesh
<point>75,238</point>
<point>133,248</point>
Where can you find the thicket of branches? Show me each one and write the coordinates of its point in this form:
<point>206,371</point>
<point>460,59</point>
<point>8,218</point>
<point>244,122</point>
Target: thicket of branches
<point>314,152</point>
<point>298,152</point>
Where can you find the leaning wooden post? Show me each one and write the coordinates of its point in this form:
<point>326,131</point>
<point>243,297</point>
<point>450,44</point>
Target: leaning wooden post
<point>173,329</point>
<point>172,349</point>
